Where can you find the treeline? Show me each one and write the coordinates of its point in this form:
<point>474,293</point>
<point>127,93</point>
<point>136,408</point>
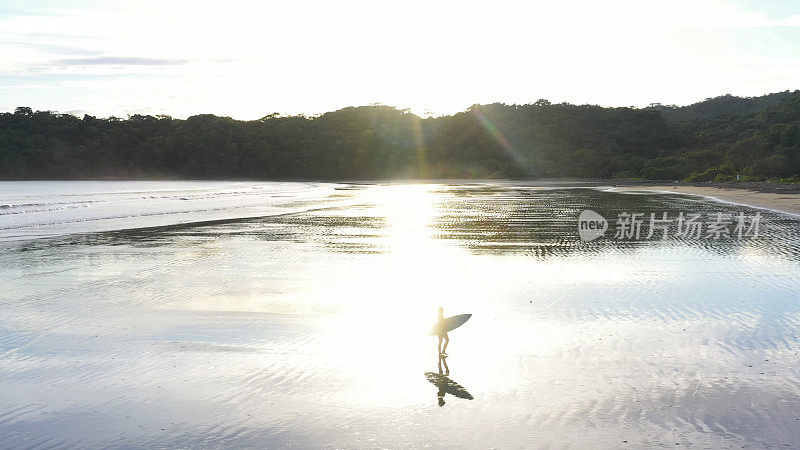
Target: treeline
<point>720,106</point>
<point>755,138</point>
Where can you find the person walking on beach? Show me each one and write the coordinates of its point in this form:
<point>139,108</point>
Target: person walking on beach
<point>441,332</point>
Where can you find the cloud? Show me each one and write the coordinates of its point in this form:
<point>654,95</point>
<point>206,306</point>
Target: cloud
<point>50,48</point>
<point>119,61</point>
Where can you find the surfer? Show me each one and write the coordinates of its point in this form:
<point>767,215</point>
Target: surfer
<point>441,332</point>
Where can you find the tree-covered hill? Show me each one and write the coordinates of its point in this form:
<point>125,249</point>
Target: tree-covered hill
<point>717,139</point>
<point>720,106</point>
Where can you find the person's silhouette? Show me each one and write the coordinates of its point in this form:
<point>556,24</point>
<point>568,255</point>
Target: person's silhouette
<point>442,381</point>
<point>445,385</point>
<point>441,332</point>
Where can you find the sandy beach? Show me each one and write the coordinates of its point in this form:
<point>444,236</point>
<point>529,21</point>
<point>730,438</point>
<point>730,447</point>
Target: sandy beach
<point>775,197</point>
<point>278,314</point>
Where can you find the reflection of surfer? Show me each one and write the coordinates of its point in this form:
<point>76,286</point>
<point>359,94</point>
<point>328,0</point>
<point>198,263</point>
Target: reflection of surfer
<point>441,383</point>
<point>444,385</point>
<point>441,331</point>
<point>446,369</point>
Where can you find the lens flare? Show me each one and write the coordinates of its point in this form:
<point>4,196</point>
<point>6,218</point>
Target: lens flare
<point>501,139</point>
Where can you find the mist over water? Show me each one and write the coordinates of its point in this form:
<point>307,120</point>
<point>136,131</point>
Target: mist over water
<point>295,314</point>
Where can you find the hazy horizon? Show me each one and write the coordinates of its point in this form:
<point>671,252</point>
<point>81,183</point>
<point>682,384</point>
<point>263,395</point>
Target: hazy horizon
<point>249,59</point>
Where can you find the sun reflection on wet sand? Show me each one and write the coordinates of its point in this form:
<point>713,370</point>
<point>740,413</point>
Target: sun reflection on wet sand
<point>379,338</point>
<point>310,329</point>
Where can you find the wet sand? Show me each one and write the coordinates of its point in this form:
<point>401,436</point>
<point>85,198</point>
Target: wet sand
<point>308,328</point>
<point>775,197</point>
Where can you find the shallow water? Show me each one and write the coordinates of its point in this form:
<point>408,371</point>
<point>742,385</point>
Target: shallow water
<point>297,316</point>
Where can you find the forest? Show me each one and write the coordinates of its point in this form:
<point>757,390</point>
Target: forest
<point>756,138</point>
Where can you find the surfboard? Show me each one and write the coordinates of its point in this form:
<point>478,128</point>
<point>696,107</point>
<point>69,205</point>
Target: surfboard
<point>450,323</point>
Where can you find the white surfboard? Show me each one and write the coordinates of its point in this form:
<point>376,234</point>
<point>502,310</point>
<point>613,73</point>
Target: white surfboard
<point>450,323</point>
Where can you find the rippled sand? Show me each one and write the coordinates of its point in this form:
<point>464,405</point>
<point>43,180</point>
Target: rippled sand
<point>307,328</point>
<point>788,202</point>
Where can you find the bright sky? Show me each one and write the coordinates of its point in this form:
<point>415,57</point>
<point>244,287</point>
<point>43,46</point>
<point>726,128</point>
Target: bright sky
<point>248,59</point>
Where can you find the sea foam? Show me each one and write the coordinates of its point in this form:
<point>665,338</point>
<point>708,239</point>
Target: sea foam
<point>46,208</point>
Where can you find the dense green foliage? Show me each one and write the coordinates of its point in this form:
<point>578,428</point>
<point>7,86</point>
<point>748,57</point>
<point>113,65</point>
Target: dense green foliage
<point>720,106</point>
<point>755,138</point>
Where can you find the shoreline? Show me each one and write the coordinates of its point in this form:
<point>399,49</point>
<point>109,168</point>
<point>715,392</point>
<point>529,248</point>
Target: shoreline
<point>779,198</point>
